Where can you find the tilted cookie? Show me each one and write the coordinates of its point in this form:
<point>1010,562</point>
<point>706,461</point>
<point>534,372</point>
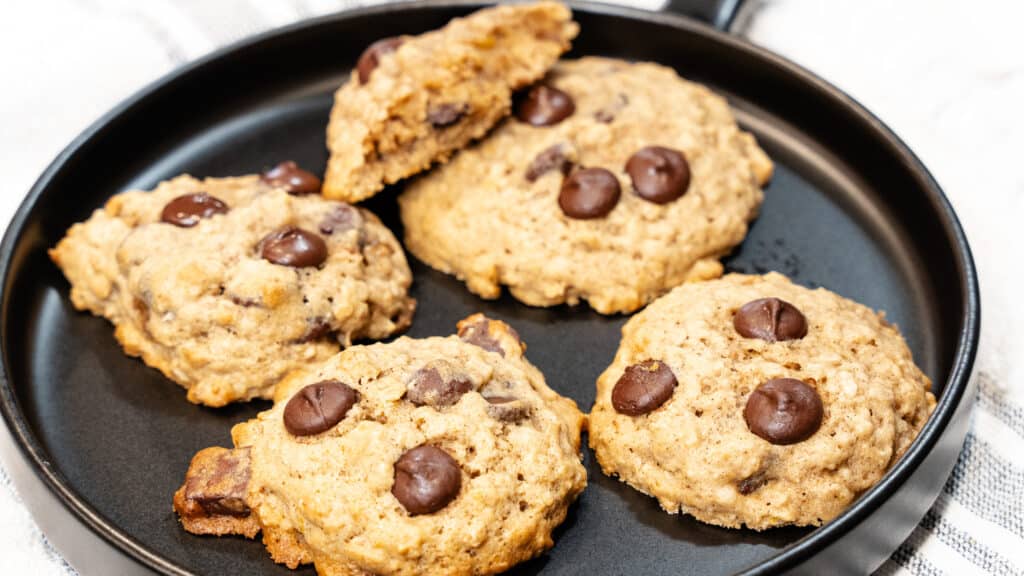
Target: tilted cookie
<point>615,182</point>
<point>433,456</point>
<point>227,284</point>
<point>752,401</point>
<point>413,100</point>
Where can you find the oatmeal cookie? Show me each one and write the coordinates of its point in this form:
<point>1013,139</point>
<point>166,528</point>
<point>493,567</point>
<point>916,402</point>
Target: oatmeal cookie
<point>413,100</point>
<point>751,401</point>
<point>432,456</point>
<point>227,284</point>
<point>614,182</point>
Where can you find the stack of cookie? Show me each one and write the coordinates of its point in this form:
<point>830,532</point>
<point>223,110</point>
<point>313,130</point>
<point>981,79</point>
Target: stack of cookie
<point>740,400</point>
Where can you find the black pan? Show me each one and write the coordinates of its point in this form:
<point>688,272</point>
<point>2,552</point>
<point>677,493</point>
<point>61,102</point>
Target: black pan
<point>99,442</point>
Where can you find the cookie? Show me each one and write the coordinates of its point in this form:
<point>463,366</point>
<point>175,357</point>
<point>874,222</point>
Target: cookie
<point>227,284</point>
<point>413,100</point>
<point>613,183</point>
<point>751,401</point>
<point>444,455</point>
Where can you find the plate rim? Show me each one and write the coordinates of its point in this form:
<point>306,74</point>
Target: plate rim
<point>30,447</point>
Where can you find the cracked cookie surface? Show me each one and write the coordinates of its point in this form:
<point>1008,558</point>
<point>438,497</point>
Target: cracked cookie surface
<point>712,438</point>
<point>615,182</point>
<point>454,457</point>
<point>412,101</point>
<point>227,284</point>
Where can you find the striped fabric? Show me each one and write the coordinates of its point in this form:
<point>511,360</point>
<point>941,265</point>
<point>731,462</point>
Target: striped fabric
<point>937,93</point>
<point>977,524</point>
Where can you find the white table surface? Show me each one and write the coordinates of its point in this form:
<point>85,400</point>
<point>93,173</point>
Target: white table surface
<point>947,76</point>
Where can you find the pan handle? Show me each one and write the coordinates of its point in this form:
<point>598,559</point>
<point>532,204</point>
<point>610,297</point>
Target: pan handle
<point>719,13</point>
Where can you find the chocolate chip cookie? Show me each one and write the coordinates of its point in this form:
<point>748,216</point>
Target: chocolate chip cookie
<point>446,455</point>
<point>749,400</point>
<point>613,183</point>
<point>413,100</point>
<point>227,284</point>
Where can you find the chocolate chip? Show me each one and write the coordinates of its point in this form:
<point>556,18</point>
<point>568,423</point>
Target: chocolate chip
<point>318,407</point>
<point>291,246</point>
<point>784,411</point>
<point>478,334</point>
<point>607,114</point>
<point>552,158</point>
<point>428,386</point>
<point>770,319</point>
<point>589,193</point>
<point>316,328</point>
<point>293,179</point>
<point>245,302</point>
<point>752,483</point>
<point>426,480</point>
<point>217,481</point>
<point>186,211</point>
<point>444,115</point>
<point>507,408</point>
<point>544,105</point>
<point>340,219</point>
<point>659,174</point>
<point>370,58</point>
<point>643,388</point>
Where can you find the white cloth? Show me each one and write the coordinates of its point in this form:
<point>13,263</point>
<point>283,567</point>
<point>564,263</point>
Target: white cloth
<point>946,76</point>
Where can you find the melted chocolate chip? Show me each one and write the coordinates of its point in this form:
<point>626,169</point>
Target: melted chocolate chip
<point>370,58</point>
<point>659,174</point>
<point>318,407</point>
<point>340,219</point>
<point>216,483</point>
<point>316,328</point>
<point>507,408</point>
<point>552,158</point>
<point>444,115</point>
<point>770,319</point>
<point>643,387</point>
<point>426,480</point>
<point>293,179</point>
<point>428,386</point>
<point>752,483</point>
<point>544,105</point>
<point>784,411</point>
<point>478,334</point>
<point>295,247</point>
<point>245,302</point>
<point>186,211</point>
<point>589,193</point>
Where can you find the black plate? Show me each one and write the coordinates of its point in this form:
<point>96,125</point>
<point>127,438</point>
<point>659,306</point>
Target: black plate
<point>850,208</point>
